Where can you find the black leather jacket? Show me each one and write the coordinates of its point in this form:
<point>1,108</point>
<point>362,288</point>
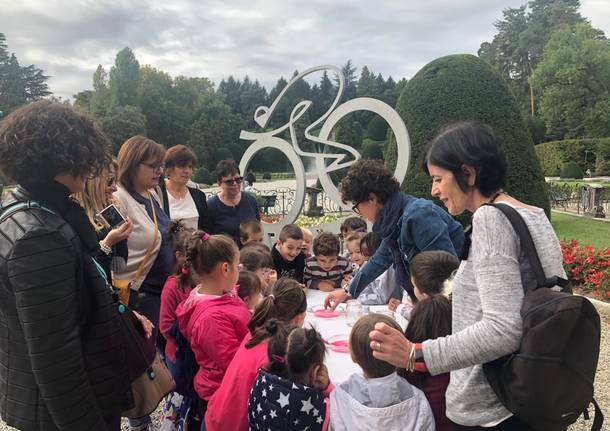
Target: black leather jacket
<point>62,357</point>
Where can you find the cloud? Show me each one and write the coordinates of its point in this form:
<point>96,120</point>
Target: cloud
<point>264,39</point>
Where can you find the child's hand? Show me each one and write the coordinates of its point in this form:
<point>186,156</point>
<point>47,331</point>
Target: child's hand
<point>320,379</point>
<point>272,276</point>
<point>393,304</point>
<point>326,286</point>
<point>304,287</point>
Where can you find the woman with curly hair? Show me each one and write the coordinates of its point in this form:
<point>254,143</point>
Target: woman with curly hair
<point>406,224</point>
<point>62,358</point>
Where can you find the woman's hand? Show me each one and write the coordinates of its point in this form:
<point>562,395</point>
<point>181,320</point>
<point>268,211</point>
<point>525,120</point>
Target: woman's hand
<point>326,286</point>
<point>118,234</point>
<point>390,345</point>
<point>393,304</point>
<point>321,379</point>
<point>146,324</point>
<point>333,299</point>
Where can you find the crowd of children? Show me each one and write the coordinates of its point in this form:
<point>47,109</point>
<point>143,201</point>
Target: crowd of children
<point>241,315</point>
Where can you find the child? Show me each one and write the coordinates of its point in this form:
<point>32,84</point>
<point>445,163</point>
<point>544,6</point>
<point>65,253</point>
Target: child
<point>176,289</point>
<point>378,399</point>
<point>250,231</point>
<point>213,320</point>
<point>307,241</point>
<point>256,257</point>
<point>249,289</point>
<point>291,395</point>
<point>350,226</point>
<point>353,248</point>
<point>288,305</point>
<point>326,270</point>
<point>430,319</point>
<point>383,287</point>
<point>288,259</point>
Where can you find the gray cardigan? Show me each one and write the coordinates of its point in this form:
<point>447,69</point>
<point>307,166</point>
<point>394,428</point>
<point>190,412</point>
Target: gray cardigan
<point>487,299</point>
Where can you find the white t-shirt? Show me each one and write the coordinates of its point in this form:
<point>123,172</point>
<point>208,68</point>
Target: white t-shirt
<point>184,209</point>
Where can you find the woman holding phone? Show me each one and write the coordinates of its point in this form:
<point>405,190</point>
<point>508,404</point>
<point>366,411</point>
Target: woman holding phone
<point>96,197</point>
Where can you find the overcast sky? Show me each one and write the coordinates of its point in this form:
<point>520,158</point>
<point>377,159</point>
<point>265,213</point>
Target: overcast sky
<point>264,39</point>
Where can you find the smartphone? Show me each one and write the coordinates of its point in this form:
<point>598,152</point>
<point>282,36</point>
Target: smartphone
<point>111,216</point>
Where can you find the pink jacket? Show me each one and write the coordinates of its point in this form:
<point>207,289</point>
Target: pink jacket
<point>214,327</point>
<point>171,296</point>
<point>234,392</point>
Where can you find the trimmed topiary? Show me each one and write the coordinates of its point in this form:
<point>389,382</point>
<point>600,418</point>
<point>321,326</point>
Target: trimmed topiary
<point>571,170</point>
<point>466,88</point>
<point>377,129</point>
<point>372,150</point>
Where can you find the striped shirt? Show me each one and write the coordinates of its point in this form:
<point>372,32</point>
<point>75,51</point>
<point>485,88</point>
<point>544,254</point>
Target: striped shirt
<point>314,273</point>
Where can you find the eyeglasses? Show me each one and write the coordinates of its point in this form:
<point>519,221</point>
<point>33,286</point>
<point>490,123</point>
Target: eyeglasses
<point>156,168</point>
<point>110,181</point>
<point>233,181</point>
<point>356,209</point>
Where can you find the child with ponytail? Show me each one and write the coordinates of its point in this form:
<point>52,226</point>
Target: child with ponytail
<point>212,318</point>
<point>228,408</point>
<point>176,289</point>
<point>293,393</point>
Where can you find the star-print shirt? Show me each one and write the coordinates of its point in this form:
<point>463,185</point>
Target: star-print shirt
<point>278,404</point>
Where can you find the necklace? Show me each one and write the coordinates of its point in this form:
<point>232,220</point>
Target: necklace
<point>177,194</point>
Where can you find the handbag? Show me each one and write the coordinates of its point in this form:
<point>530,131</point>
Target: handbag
<point>150,378</point>
<point>123,286</point>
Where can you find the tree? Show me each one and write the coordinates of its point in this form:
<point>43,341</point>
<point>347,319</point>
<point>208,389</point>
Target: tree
<point>349,73</point>
<point>349,132</point>
<point>573,78</point>
<point>377,128</point>
<point>121,123</point>
<point>99,103</point>
<point>124,77</point>
<point>82,100</point>
<point>372,150</point>
<point>463,87</point>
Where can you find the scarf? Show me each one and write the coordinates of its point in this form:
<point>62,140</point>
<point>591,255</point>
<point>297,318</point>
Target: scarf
<point>392,210</point>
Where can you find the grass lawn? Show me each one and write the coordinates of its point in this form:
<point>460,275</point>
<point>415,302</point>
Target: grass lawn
<point>586,230</point>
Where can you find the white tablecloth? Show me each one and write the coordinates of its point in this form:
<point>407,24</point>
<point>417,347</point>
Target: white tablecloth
<point>340,365</point>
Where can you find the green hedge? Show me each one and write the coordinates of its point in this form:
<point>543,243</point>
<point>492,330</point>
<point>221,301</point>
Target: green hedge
<point>571,170</point>
<point>554,154</point>
<point>463,87</point>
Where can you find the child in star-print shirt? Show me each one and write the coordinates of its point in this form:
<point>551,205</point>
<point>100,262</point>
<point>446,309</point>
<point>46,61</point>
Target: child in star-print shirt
<point>293,393</point>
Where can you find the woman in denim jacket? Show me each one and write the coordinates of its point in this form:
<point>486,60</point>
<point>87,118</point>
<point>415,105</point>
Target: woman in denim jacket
<point>406,224</point>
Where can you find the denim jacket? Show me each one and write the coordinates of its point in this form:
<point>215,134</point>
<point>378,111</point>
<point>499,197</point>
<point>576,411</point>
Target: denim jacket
<point>408,225</point>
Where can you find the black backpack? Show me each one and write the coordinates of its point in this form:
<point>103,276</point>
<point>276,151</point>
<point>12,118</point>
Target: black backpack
<point>186,366</point>
<point>548,383</point>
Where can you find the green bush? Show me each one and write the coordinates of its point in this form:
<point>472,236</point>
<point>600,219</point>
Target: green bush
<point>464,87</point>
<point>377,129</point>
<point>571,170</point>
<point>372,150</point>
<point>536,128</point>
<point>266,176</point>
<point>203,176</point>
<point>556,153</point>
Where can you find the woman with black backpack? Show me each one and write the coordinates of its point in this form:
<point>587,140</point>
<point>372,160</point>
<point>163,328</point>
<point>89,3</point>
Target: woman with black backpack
<point>468,170</point>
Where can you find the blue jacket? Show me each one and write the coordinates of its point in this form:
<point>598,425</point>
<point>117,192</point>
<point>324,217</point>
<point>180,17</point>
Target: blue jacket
<point>407,226</point>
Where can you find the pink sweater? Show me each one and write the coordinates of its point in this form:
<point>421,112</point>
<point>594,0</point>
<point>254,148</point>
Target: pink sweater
<point>171,297</point>
<point>234,391</point>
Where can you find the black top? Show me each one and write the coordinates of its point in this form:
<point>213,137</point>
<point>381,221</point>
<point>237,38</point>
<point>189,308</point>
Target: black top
<point>200,203</point>
<point>226,219</point>
<point>292,269</point>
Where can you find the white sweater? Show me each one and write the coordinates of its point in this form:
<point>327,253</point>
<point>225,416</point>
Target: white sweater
<point>140,238</point>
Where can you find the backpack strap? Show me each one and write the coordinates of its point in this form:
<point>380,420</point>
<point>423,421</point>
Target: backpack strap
<point>598,421</point>
<point>15,207</point>
<point>527,243</point>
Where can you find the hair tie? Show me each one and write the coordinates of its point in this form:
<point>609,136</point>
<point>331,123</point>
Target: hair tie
<point>278,358</point>
<point>272,296</point>
<point>185,270</point>
<point>205,236</point>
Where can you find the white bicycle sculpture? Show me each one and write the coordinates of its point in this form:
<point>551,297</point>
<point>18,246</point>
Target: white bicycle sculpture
<point>330,118</point>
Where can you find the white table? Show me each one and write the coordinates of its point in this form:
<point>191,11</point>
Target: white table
<point>340,365</point>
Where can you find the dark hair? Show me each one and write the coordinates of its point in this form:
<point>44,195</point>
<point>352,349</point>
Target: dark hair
<point>277,332</point>
<point>248,284</point>
<point>179,235</point>
<point>360,345</point>
<point>370,242</point>
<point>355,224</point>
<point>202,256</point>
<point>431,268</point>
<point>293,351</point>
<point>286,301</point>
<point>224,168</point>
<point>290,231</point>
<point>248,227</point>
<point>430,319</point>
<point>41,140</point>
<point>365,177</point>
<point>134,151</point>
<point>179,155</point>
<point>469,144</point>
<point>253,258</point>
<point>326,244</point>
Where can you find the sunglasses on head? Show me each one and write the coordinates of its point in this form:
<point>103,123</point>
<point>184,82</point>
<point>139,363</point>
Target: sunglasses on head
<point>233,181</point>
<point>110,181</point>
